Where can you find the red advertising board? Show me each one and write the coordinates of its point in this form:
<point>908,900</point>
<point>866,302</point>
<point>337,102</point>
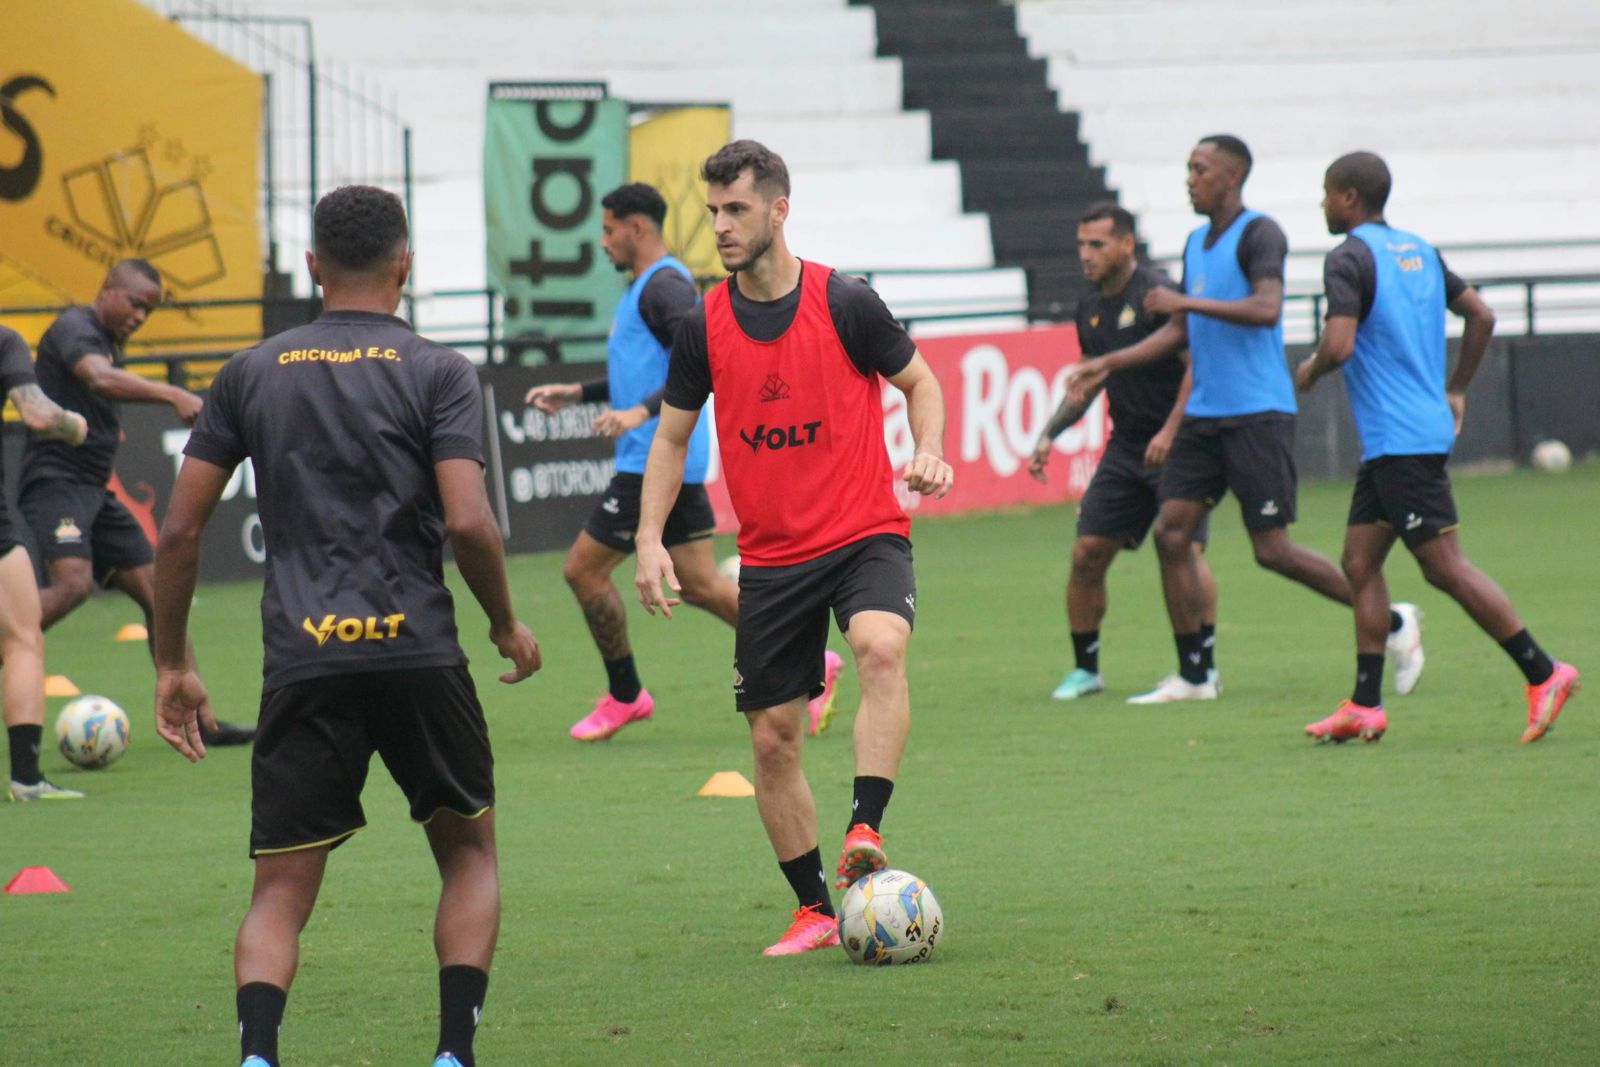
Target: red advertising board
<point>999,390</point>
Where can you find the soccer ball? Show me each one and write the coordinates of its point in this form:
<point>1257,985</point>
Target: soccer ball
<point>1552,456</point>
<point>92,732</point>
<point>729,568</point>
<point>890,917</point>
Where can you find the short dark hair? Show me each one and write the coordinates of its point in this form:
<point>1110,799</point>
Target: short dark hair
<point>1228,144</point>
<point>766,167</point>
<point>1366,173</point>
<point>1121,218</point>
<point>142,267</point>
<point>636,198</point>
<point>356,226</point>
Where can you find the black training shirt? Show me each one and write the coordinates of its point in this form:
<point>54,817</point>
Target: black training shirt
<point>1141,397</point>
<point>1350,278</point>
<point>75,333</point>
<point>16,368</point>
<point>873,338</point>
<point>666,296</point>
<point>344,420</point>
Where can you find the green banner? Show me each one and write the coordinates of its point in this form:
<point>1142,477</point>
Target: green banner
<point>546,164</point>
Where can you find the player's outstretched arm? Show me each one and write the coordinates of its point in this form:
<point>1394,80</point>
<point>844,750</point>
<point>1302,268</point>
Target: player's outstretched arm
<point>1474,343</point>
<point>182,706</point>
<point>1067,412</point>
<point>481,559</point>
<point>554,396</point>
<point>1334,347</point>
<point>47,418</point>
<point>927,472</point>
<point>1168,339</point>
<point>1262,307</point>
<point>109,380</point>
<point>663,477</point>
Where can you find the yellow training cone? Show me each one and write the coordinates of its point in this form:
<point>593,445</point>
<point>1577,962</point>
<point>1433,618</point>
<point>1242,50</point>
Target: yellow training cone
<point>133,632</point>
<point>57,685</point>
<point>727,784</point>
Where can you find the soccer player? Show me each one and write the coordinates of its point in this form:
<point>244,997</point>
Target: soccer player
<point>794,353</point>
<point>21,638</point>
<point>1146,407</point>
<point>1387,291</point>
<point>367,445</point>
<point>84,534</point>
<point>1238,425</point>
<point>636,372</point>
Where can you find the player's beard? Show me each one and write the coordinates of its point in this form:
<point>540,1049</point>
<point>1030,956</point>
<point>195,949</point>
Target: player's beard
<point>753,251</point>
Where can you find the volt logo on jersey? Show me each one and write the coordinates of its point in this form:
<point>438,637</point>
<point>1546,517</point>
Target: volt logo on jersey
<point>353,629</point>
<point>780,437</point>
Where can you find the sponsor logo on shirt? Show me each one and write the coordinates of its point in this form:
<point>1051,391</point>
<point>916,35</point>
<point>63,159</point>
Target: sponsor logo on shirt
<point>371,628</point>
<point>780,437</point>
<point>774,388</point>
<point>1125,319</point>
<point>68,533</point>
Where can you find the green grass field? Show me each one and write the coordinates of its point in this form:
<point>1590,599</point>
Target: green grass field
<point>1195,884</point>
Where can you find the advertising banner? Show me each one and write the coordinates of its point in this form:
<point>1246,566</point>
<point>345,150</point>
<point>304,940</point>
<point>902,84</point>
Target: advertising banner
<point>547,160</point>
<point>665,150</point>
<point>122,136</point>
<point>999,390</point>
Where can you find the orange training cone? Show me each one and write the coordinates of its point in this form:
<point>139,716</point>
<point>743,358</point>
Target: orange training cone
<point>727,784</point>
<point>133,632</point>
<point>59,685</point>
<point>36,880</point>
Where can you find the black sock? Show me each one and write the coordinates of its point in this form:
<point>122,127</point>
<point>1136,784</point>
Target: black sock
<point>1395,621</point>
<point>623,679</point>
<point>1535,665</point>
<point>807,880</point>
<point>1086,651</point>
<point>1208,644</point>
<point>1369,680</point>
<point>25,752</point>
<point>461,991</point>
<point>1191,657</point>
<point>871,797</point>
<point>260,1007</point>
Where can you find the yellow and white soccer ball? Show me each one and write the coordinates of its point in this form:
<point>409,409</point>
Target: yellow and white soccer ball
<point>890,917</point>
<point>92,732</point>
<point>1553,456</point>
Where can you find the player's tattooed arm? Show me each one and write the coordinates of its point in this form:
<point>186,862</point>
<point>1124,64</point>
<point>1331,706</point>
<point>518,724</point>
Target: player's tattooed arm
<point>1068,412</point>
<point>45,417</point>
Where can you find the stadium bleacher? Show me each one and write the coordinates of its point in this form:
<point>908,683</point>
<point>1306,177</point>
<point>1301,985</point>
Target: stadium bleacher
<point>1487,123</point>
<point>867,194</point>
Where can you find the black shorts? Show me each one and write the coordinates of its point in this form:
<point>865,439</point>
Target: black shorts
<point>8,535</point>
<point>1122,499</point>
<point>316,737</point>
<point>71,520</point>
<point>783,615</point>
<point>1409,494</point>
<point>1253,455</point>
<point>615,519</point>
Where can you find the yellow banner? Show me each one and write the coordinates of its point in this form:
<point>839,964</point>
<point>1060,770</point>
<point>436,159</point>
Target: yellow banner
<point>122,136</point>
<point>666,151</point>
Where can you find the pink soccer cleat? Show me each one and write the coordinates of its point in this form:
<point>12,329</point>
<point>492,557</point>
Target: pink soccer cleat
<point>819,710</point>
<point>1350,721</point>
<point>610,715</point>
<point>862,854</point>
<point>810,929</point>
<point>1546,700</point>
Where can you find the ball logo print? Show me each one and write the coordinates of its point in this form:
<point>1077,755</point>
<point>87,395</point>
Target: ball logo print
<point>92,732</point>
<point>890,917</point>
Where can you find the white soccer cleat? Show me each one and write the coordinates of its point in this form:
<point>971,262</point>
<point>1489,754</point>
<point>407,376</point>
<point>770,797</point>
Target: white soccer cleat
<point>43,789</point>
<point>1405,648</point>
<point>1174,688</point>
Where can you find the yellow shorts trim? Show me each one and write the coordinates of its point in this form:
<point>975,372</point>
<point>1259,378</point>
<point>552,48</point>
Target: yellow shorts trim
<point>328,842</point>
<point>460,815</point>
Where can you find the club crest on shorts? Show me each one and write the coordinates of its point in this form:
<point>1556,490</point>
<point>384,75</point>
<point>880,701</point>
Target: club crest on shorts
<point>67,532</point>
<point>738,681</point>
